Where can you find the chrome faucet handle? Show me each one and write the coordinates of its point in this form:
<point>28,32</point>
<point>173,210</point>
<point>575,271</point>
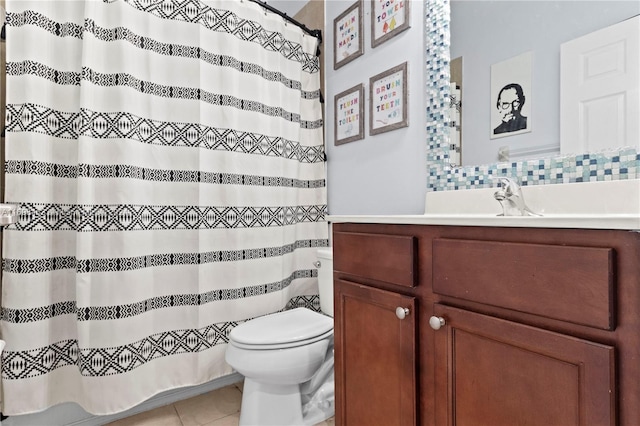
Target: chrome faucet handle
<point>510,197</point>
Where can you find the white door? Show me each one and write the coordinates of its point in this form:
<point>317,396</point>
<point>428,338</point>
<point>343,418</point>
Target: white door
<point>600,89</point>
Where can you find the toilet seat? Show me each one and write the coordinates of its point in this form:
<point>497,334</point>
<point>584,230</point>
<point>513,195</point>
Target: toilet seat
<point>281,345</point>
<point>286,329</point>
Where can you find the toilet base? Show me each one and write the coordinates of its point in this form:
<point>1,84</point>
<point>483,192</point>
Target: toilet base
<point>265,404</point>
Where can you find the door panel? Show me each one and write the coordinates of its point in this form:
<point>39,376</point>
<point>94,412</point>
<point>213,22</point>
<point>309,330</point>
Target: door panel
<point>600,89</point>
<point>497,372</point>
<point>375,357</point>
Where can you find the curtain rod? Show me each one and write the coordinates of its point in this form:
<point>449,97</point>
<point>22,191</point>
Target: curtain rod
<point>314,33</point>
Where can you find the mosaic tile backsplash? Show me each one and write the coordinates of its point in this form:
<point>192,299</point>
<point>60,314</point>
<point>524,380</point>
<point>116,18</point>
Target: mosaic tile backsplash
<point>622,163</point>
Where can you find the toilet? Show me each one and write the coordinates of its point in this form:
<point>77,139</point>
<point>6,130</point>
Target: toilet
<point>287,360</point>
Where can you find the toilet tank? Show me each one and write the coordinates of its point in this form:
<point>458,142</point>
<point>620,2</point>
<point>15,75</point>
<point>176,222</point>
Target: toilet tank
<point>325,279</point>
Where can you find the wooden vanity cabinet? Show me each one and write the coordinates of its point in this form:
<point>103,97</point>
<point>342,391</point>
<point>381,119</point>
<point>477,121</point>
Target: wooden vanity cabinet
<point>539,326</point>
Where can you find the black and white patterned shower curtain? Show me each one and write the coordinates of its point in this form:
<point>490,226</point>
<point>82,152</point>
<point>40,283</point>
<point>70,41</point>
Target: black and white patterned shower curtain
<point>168,162</point>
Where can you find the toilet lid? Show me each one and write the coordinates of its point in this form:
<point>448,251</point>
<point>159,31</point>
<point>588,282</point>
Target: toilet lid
<point>282,328</point>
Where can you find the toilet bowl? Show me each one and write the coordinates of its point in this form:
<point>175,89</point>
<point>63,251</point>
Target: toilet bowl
<point>287,361</point>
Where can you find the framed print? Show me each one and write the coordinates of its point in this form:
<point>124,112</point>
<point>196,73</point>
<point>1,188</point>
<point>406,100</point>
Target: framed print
<point>511,96</point>
<point>388,97</point>
<point>388,19</point>
<point>349,115</point>
<point>348,35</point>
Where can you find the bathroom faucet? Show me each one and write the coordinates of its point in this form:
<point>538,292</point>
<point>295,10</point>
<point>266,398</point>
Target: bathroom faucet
<point>510,197</point>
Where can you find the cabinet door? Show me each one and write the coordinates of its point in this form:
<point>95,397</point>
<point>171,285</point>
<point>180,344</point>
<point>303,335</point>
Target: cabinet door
<point>495,372</point>
<point>375,356</point>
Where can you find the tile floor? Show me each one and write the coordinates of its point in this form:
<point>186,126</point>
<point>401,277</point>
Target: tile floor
<point>220,407</point>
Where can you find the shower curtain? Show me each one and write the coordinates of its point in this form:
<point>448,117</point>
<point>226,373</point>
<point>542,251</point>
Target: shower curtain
<point>168,162</point>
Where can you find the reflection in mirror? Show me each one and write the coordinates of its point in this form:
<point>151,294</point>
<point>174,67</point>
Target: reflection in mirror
<point>600,89</point>
<point>455,112</point>
<point>615,164</point>
<point>486,34</point>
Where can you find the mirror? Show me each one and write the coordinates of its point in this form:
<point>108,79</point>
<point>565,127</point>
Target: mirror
<point>486,34</point>
<point>539,167</point>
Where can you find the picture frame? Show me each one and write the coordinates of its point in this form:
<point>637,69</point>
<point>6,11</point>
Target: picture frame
<point>348,35</point>
<point>511,96</point>
<point>388,100</point>
<point>349,115</point>
<point>388,19</point>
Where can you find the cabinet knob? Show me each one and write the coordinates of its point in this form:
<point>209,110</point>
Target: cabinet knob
<point>317,264</point>
<point>401,313</point>
<point>436,322</point>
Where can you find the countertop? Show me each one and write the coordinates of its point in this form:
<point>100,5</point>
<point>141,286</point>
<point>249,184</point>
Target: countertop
<point>575,221</point>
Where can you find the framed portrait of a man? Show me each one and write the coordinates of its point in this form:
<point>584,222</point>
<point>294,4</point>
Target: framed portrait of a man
<point>511,96</point>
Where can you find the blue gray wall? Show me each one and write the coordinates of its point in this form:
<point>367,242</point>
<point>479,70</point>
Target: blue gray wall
<point>384,173</point>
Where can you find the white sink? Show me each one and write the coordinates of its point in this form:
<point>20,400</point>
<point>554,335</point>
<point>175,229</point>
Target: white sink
<point>608,205</point>
<point>620,197</point>
<point>595,205</point>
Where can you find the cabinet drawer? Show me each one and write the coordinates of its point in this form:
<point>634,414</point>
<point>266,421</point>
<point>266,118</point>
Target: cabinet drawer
<point>382,257</point>
<point>568,283</point>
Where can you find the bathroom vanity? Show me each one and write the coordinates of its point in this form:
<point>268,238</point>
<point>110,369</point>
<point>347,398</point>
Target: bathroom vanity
<point>441,324</point>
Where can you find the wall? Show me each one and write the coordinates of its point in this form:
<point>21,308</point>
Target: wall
<point>384,173</point>
<point>507,29</point>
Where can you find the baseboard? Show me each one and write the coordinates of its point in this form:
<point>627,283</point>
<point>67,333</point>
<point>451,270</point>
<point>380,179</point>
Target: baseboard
<point>73,415</point>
